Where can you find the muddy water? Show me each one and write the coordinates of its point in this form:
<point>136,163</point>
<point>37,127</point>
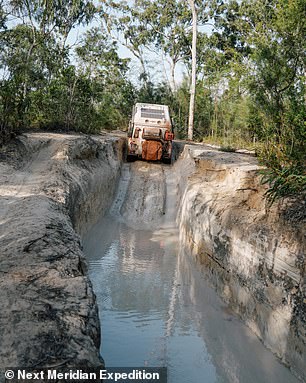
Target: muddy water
<point>156,306</point>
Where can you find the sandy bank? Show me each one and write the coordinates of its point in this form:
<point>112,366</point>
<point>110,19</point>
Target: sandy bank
<point>254,254</point>
<point>52,186</point>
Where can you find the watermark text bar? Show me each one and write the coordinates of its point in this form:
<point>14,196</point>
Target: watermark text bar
<point>107,375</point>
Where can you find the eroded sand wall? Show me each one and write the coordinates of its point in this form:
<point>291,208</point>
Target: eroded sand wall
<point>52,188</point>
<point>254,254</point>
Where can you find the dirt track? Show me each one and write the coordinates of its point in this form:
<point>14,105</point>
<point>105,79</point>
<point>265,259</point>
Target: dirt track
<point>52,187</point>
<point>144,198</point>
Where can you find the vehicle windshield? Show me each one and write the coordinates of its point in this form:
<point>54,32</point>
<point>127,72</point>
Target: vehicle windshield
<point>152,113</point>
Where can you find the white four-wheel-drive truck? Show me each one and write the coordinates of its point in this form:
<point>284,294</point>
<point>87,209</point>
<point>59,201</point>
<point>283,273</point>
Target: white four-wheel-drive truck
<point>150,133</point>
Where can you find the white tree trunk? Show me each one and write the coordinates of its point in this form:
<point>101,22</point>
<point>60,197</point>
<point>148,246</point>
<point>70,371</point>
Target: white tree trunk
<point>193,71</point>
<point>172,73</point>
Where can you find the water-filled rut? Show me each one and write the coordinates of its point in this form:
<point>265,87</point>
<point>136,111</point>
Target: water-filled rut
<point>155,304</point>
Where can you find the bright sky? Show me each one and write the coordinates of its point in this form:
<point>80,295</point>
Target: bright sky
<point>157,65</point>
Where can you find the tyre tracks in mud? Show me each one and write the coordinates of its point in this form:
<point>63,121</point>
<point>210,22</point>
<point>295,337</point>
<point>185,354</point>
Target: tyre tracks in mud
<point>141,197</point>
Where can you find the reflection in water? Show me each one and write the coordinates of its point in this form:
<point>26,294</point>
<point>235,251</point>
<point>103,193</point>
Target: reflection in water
<point>131,281</point>
<point>158,309</point>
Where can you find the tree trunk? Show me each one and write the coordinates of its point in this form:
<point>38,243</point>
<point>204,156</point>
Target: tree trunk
<point>193,71</point>
<point>172,73</point>
<point>145,77</point>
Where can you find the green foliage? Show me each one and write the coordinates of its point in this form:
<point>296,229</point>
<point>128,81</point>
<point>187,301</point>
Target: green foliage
<point>285,182</point>
<point>250,86</point>
<point>278,87</point>
<point>263,66</point>
<point>228,149</point>
<point>41,88</point>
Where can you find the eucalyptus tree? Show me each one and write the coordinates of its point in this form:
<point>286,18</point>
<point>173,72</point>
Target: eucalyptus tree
<point>111,91</point>
<point>269,40</point>
<point>52,17</point>
<point>164,26</point>
<point>34,45</point>
<point>278,86</point>
<point>167,25</point>
<point>121,21</point>
<point>174,25</point>
<point>99,56</point>
<point>194,67</point>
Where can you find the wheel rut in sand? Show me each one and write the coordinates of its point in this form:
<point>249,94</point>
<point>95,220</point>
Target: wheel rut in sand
<point>141,196</point>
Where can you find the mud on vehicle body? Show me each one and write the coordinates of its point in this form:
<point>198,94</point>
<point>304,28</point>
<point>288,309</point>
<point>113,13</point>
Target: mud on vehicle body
<point>150,133</point>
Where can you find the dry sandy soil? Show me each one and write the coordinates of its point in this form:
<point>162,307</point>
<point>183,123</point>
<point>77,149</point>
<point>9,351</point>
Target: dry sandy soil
<point>255,253</point>
<point>49,186</point>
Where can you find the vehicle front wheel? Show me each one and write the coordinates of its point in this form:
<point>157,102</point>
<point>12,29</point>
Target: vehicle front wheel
<point>130,158</point>
<point>167,161</point>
